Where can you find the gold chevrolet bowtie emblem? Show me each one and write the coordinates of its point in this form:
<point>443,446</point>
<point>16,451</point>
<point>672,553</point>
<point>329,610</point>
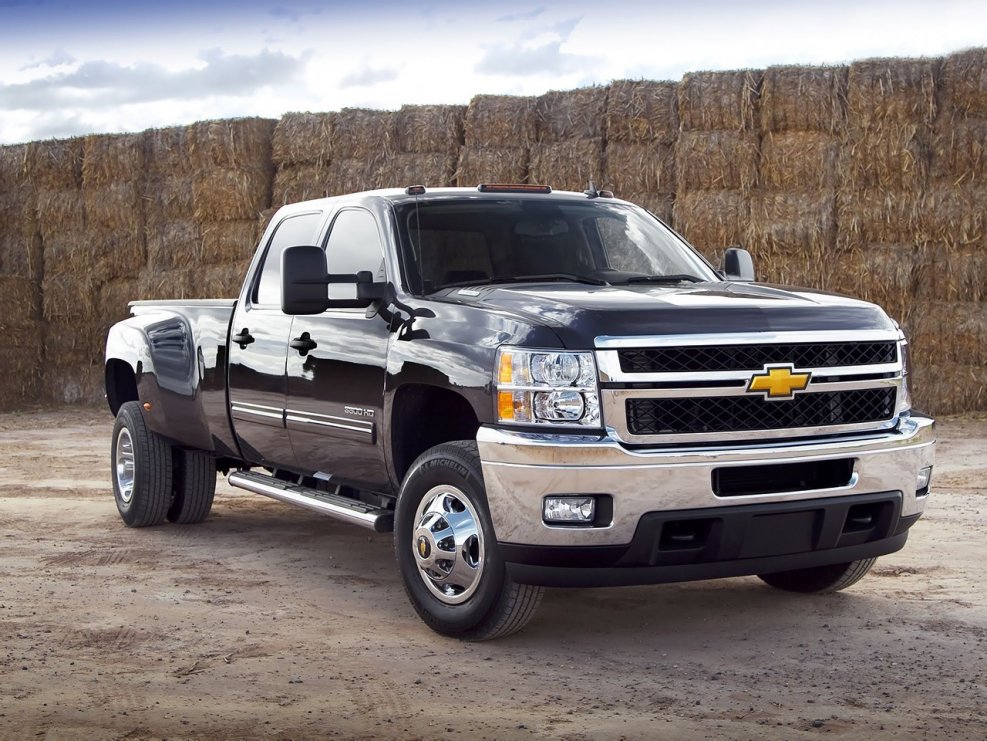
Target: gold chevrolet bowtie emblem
<point>778,382</point>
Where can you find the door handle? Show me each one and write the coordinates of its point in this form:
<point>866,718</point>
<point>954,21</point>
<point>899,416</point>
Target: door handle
<point>243,339</point>
<point>303,344</point>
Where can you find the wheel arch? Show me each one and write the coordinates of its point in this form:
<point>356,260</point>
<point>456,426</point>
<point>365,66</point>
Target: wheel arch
<point>121,384</point>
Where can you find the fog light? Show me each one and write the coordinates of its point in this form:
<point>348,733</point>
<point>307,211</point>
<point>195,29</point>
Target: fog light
<point>569,509</point>
<point>923,479</point>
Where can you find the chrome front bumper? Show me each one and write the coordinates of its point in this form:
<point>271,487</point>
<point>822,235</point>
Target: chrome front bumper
<point>520,469</point>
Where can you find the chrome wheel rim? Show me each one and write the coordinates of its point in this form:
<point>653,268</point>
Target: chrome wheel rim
<point>124,465</point>
<point>447,544</point>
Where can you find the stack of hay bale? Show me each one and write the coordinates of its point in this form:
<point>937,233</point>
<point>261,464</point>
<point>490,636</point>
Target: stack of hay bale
<point>569,131</point>
<point>793,210</point>
<point>115,249</point>
<point>882,209</point>
<point>70,286</point>
<point>361,141</point>
<point>642,125</point>
<point>302,153</point>
<point>426,146</point>
<point>172,234</point>
<point>948,329</point>
<point>499,132</point>
<point>232,174</point>
<point>21,269</point>
<point>716,158</point>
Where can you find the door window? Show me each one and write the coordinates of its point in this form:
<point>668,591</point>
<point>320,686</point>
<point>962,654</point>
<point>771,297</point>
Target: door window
<point>354,245</point>
<point>291,232</point>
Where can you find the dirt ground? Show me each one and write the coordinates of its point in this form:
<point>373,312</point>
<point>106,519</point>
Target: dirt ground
<point>268,621</point>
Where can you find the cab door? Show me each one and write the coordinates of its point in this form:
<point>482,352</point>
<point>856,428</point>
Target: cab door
<point>258,349</point>
<point>336,367</point>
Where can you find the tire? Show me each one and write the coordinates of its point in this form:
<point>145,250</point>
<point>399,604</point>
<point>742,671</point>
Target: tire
<point>194,487</point>
<point>469,595</point>
<point>141,469</point>
<point>819,579</point>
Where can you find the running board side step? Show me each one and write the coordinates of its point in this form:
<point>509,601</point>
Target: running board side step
<point>343,508</point>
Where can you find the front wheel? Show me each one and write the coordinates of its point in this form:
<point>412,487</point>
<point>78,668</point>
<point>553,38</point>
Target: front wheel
<point>447,552</point>
<point>820,579</point>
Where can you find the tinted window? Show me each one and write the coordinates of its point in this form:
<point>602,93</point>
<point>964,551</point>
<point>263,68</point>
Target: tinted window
<point>354,245</point>
<point>293,231</point>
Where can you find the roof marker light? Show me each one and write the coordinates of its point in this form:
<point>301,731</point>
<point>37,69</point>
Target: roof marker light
<point>512,188</point>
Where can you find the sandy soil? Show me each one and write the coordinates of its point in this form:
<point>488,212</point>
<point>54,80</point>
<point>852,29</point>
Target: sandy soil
<point>268,621</point>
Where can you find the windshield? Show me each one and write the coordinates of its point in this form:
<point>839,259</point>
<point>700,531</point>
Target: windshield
<point>475,241</point>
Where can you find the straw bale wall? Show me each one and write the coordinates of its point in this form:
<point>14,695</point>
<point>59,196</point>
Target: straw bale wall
<point>867,179</point>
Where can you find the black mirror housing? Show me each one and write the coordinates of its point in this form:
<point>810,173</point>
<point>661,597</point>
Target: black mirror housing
<point>738,265</point>
<point>304,277</point>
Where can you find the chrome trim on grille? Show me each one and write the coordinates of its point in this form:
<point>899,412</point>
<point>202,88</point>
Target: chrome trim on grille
<point>608,363</point>
<point>605,342</point>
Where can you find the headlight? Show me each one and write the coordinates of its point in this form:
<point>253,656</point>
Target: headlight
<point>905,400</point>
<point>547,387</point>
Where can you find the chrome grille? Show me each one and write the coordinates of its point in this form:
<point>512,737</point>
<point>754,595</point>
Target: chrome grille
<point>711,414</point>
<point>755,357</point>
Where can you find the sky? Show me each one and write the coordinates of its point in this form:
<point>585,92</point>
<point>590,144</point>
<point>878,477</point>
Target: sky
<point>69,67</point>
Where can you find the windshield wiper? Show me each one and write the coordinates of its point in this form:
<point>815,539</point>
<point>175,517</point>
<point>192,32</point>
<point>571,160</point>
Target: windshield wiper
<point>677,278</point>
<point>568,277</point>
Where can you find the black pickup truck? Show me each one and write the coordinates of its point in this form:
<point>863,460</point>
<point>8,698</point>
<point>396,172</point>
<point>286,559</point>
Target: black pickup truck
<point>530,388</point>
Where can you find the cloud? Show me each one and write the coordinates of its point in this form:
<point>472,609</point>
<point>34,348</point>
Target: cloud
<point>523,16</point>
<point>56,59</point>
<point>528,57</point>
<point>368,77</point>
<point>98,84</point>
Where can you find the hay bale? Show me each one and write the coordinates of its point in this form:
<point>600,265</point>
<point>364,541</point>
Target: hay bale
<point>294,183</point>
<point>803,99</point>
<point>433,170</point>
<point>716,160</point>
<point>363,134</point>
<point>60,211</point>
<point>166,153</point>
<point>77,384</point>
<point>963,83</point>
<point>954,216</point>
<point>114,296</point>
<point>178,284</point>
<point>14,166</point>
<point>173,244</point>
<point>639,168</point>
<point>303,139</point>
<point>168,199</point>
<point>99,254</point>
<point>719,100</point>
<point>228,241</point>
<point>492,165</point>
<point>884,274</point>
<point>111,158</point>
<point>21,366</point>
<point>69,297</point>
<point>19,302</point>
<point>891,156</point>
<point>21,254</point>
<point>641,111</point>
<point>950,332</point>
<point>221,281</point>
<point>568,165</point>
<point>500,121</point>
<point>799,161</point>
<point>951,275</point>
<point>959,151</point>
<point>892,91</point>
<point>793,225</point>
<point>116,206</point>
<point>352,176</point>
<point>231,195</point>
<point>570,114</point>
<point>876,216</point>
<point>660,204</point>
<point>56,164</point>
<point>948,388</point>
<point>712,220</point>
<point>242,143</point>
<point>427,129</point>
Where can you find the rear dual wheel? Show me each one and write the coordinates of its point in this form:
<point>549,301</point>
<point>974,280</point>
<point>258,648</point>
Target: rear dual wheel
<point>152,481</point>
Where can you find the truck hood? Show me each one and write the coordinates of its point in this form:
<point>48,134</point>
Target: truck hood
<point>581,313</point>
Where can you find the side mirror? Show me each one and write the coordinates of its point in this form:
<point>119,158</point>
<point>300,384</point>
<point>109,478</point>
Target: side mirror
<point>304,277</point>
<point>738,265</point>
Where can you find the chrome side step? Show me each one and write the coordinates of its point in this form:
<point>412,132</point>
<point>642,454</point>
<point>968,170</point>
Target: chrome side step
<point>342,508</point>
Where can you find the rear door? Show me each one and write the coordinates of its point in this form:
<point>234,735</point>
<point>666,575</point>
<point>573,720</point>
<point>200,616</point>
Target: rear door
<point>258,348</point>
<point>336,371</point>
